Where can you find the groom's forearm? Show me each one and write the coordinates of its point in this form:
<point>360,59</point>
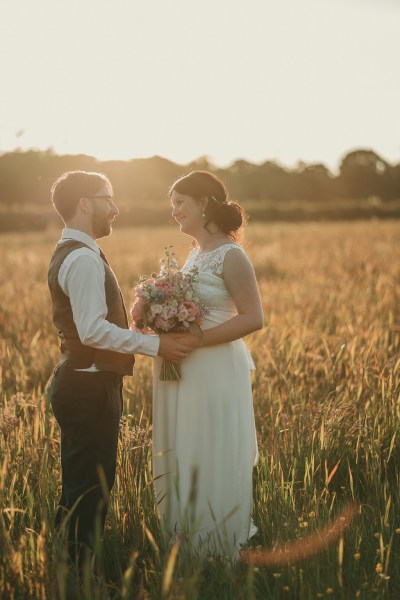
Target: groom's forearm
<point>84,284</point>
<point>107,336</point>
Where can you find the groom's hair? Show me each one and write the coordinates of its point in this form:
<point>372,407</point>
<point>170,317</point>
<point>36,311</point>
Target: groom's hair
<point>67,190</point>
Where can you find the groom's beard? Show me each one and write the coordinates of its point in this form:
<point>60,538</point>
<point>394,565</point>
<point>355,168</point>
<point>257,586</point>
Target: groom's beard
<point>101,225</point>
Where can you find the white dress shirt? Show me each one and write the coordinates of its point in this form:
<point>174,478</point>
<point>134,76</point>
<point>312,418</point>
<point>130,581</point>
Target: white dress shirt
<point>83,282</point>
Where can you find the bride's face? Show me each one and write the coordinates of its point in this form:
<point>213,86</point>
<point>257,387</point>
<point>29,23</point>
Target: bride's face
<point>187,212</point>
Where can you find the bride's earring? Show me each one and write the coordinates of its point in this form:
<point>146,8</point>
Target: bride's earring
<point>204,214</point>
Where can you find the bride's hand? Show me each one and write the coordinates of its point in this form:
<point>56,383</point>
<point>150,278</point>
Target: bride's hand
<point>191,340</point>
<point>173,348</point>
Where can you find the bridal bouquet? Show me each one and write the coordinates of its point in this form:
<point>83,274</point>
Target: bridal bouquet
<point>166,302</point>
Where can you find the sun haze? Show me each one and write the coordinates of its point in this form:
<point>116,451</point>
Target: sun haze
<point>254,79</point>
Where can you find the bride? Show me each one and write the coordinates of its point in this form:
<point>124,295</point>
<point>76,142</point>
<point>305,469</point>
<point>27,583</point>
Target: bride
<point>204,442</point>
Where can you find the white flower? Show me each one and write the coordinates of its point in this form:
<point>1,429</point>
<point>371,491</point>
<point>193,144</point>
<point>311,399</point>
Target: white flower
<point>168,311</point>
<point>183,314</point>
<point>156,309</point>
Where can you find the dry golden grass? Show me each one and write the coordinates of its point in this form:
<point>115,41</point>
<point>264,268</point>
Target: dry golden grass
<point>326,396</point>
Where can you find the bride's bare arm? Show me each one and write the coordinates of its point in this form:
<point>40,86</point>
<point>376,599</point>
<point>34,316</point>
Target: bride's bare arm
<point>240,280</point>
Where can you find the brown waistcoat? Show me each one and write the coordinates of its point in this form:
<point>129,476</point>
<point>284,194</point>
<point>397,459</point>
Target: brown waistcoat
<point>74,354</point>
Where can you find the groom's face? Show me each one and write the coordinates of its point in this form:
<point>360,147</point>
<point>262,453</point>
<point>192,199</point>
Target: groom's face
<point>104,211</point>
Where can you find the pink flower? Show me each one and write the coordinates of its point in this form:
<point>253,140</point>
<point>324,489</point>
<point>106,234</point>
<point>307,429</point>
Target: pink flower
<point>192,310</point>
<point>138,309</point>
<point>163,286</point>
<point>162,323</point>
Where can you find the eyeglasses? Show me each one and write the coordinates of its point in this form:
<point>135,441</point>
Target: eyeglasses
<point>108,197</point>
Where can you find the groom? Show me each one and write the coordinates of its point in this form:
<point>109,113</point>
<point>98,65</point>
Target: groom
<point>96,352</point>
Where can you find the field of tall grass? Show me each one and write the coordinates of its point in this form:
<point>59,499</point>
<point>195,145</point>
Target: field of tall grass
<point>327,405</point>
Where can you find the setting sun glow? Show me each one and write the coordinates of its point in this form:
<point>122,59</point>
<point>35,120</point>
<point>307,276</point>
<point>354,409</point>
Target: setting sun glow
<point>287,81</point>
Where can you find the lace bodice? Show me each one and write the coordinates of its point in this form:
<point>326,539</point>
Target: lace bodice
<point>212,262</point>
<point>210,286</point>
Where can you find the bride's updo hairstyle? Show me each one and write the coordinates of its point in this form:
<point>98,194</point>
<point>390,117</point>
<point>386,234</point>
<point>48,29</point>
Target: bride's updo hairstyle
<point>229,216</point>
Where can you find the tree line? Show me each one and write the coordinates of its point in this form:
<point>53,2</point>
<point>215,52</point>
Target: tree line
<point>26,178</point>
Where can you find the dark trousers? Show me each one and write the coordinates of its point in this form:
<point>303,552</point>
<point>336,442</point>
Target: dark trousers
<point>88,408</point>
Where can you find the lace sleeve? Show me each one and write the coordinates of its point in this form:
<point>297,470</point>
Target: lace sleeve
<point>214,261</point>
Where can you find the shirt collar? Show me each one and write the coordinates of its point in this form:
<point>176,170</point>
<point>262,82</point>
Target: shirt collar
<point>79,236</point>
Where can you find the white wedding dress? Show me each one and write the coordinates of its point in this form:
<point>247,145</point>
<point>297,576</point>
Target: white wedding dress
<point>204,441</point>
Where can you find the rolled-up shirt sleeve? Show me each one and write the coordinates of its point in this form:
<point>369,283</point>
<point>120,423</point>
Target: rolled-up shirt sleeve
<point>81,277</point>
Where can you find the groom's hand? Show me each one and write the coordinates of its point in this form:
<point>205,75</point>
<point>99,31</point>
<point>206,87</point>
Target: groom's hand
<point>175,346</point>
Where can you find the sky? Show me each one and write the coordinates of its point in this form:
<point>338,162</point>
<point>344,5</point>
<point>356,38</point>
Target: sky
<point>284,80</point>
